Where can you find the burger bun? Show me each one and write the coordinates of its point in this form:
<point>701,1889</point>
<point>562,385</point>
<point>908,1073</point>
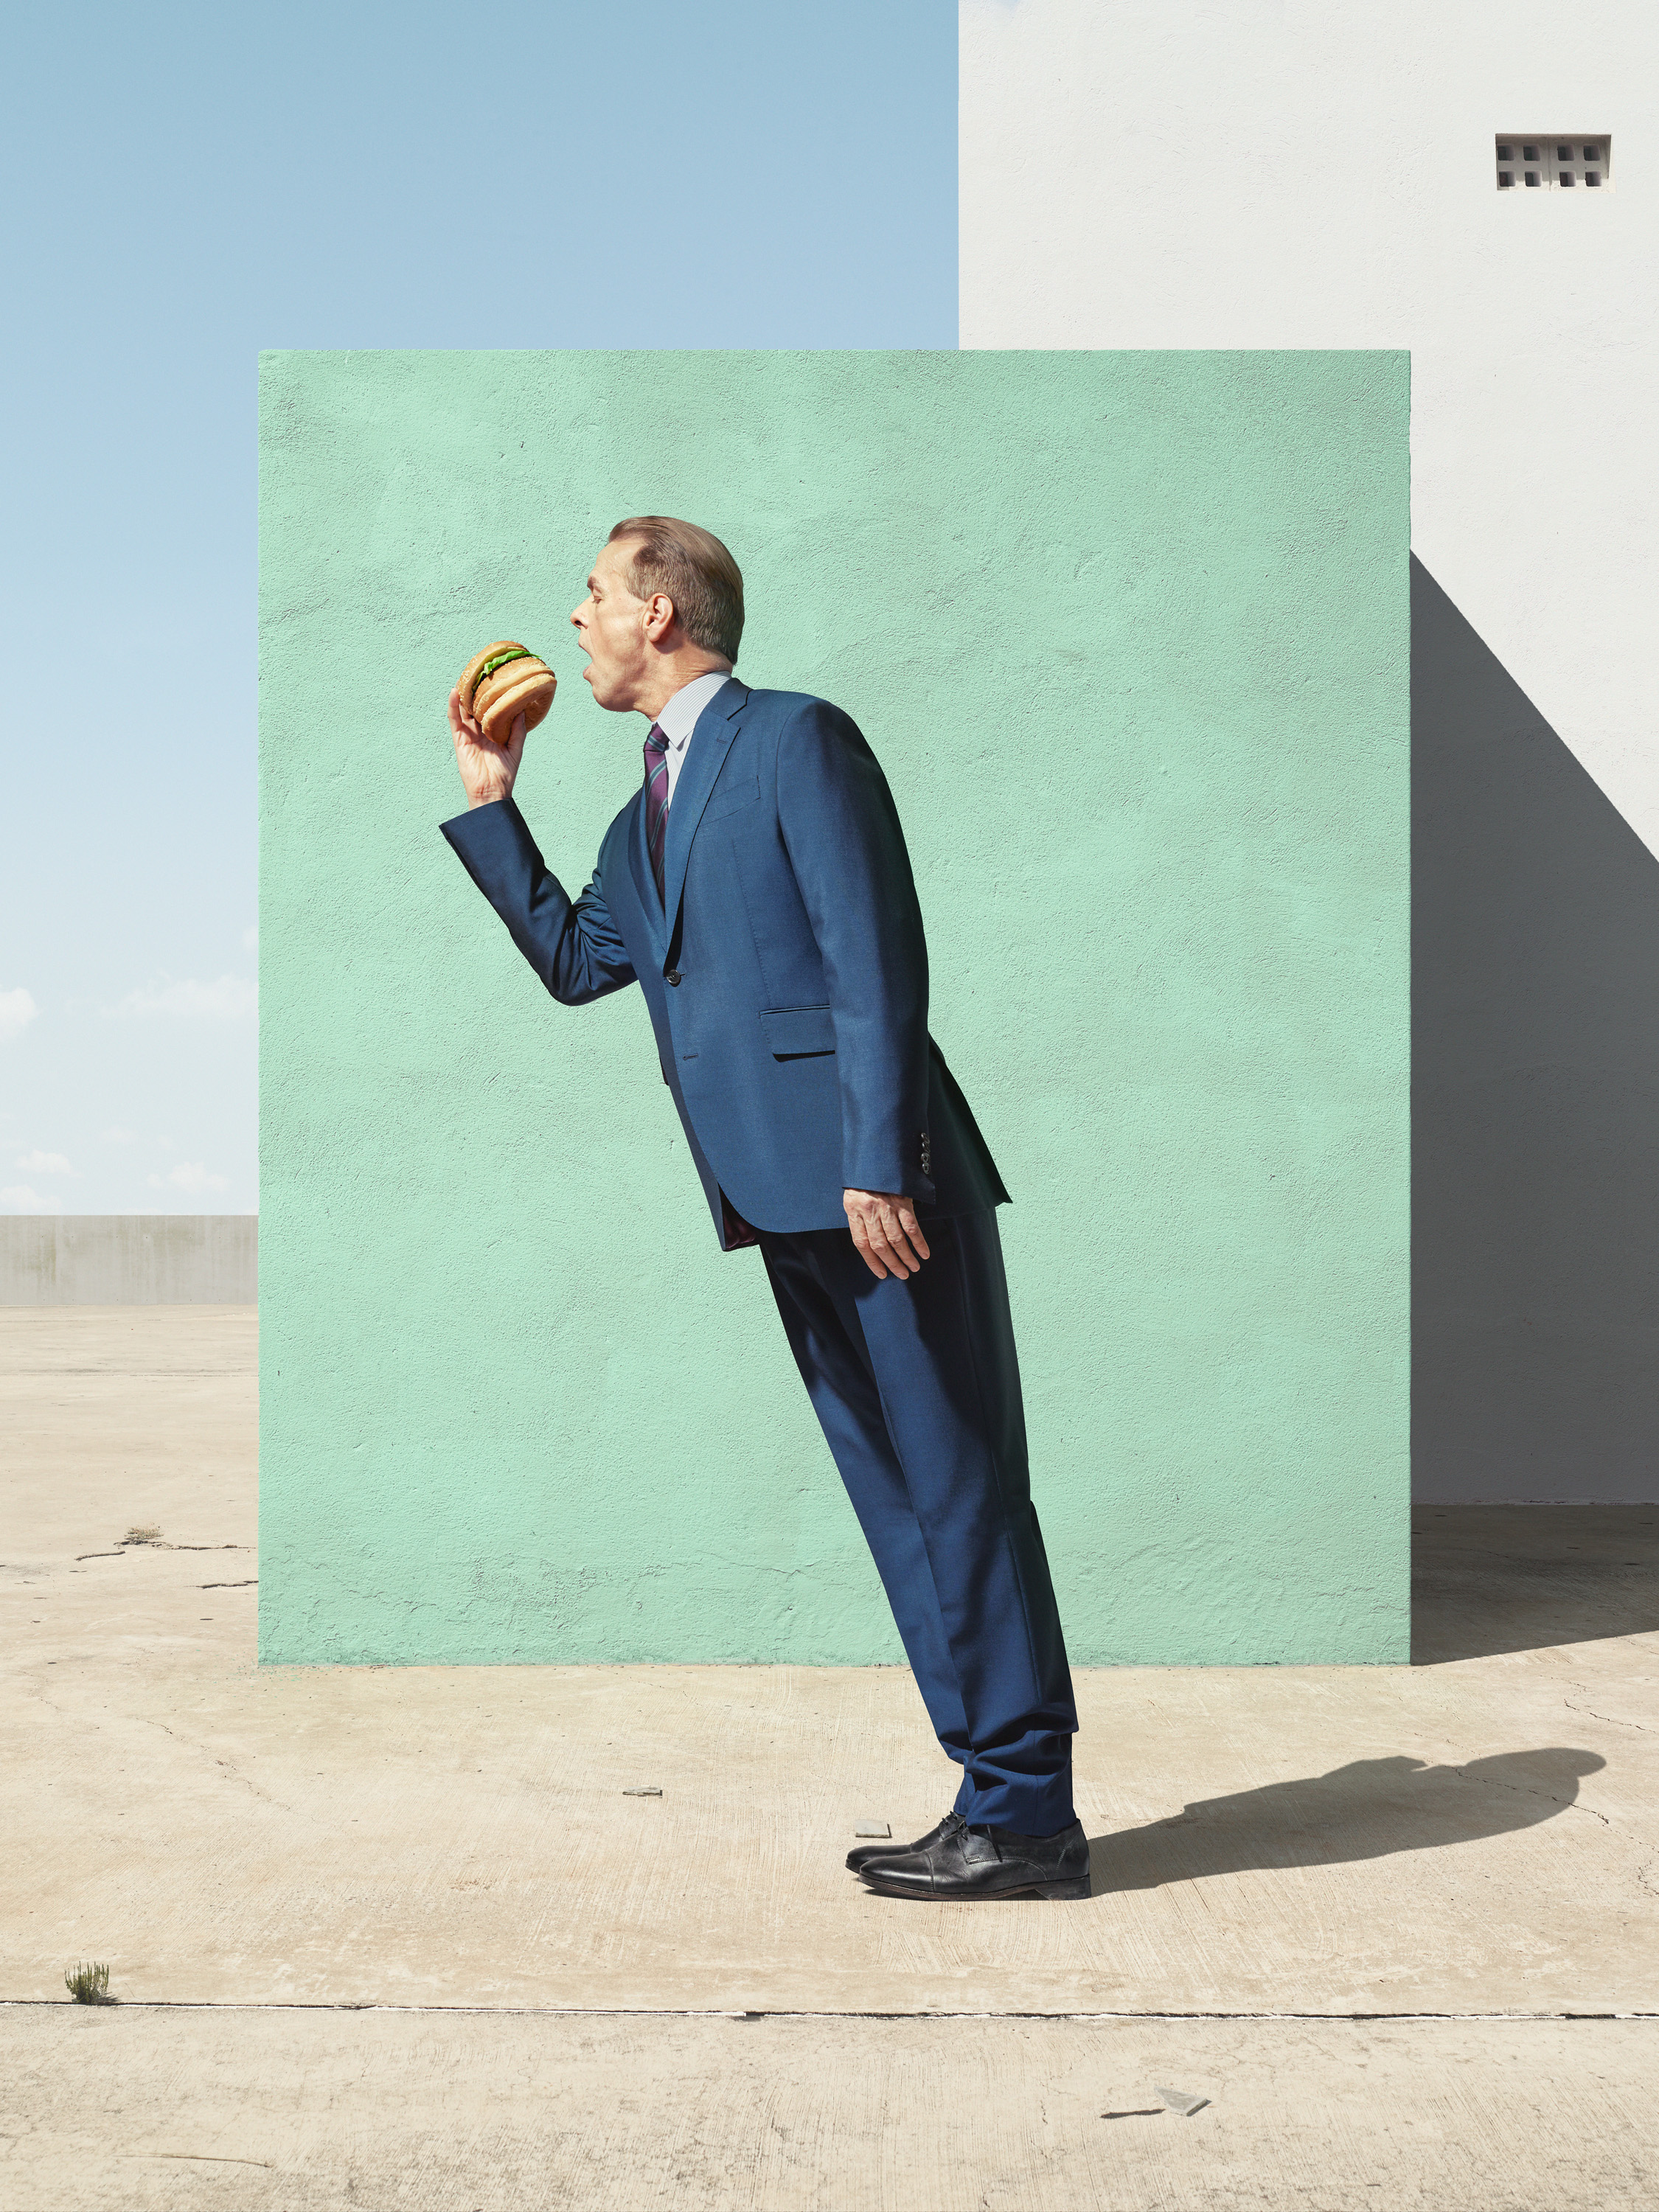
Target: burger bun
<point>524,685</point>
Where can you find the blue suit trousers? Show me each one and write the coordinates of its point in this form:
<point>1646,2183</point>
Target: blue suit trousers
<point>915,1383</point>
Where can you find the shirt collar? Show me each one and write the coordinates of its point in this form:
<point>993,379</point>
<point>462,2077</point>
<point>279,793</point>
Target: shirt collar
<point>679,717</point>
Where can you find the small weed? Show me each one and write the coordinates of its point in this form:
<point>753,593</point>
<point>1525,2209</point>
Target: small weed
<point>88,1983</point>
<point>144,1536</point>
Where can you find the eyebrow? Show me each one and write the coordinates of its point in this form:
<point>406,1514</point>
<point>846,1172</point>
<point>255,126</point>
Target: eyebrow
<point>591,584</point>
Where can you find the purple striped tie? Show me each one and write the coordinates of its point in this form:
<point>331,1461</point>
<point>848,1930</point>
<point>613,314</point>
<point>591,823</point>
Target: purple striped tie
<point>656,800</point>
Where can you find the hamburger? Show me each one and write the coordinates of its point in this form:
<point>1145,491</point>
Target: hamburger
<point>501,683</point>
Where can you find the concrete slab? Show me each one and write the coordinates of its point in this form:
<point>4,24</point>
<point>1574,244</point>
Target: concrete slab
<point>277,2110</point>
<point>1477,1835</point>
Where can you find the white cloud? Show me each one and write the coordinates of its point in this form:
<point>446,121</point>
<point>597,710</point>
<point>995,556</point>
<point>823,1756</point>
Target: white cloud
<point>117,1135</point>
<point>192,1175</point>
<point>230,998</point>
<point>17,1011</point>
<point>45,1163</point>
<point>20,1194</point>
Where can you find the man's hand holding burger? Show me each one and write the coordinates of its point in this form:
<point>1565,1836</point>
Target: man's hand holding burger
<point>504,691</point>
<point>487,768</point>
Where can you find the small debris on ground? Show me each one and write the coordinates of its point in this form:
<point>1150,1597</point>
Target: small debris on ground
<point>146,1536</point>
<point>650,1789</point>
<point>1180,2100</point>
<point>1137,2113</point>
<point>874,1828</point>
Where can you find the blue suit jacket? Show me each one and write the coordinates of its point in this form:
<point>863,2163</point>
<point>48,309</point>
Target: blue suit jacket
<point>785,970</point>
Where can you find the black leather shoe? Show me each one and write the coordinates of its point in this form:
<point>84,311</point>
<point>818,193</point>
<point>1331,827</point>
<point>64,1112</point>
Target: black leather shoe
<point>967,1862</point>
<point>860,1857</point>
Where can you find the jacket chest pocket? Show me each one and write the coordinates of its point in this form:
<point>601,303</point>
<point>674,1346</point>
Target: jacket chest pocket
<point>730,797</point>
<point>792,1032</point>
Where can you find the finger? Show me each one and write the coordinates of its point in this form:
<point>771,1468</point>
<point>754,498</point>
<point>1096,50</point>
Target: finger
<point>881,1243</point>
<point>515,741</point>
<point>893,1223</point>
<point>893,1229</point>
<point>860,1228</point>
<point>912,1229</point>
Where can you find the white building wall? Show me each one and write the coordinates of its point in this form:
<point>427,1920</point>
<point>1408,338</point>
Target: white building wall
<point>1279,174</point>
<point>1272,173</point>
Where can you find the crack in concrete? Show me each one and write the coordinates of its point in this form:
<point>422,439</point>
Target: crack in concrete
<point>155,1544</point>
<point>826,2012</point>
<point>1578,1805</point>
<point>230,1772</point>
<point>1612,1720</point>
<point>1516,1788</point>
<point>147,1720</point>
<point>201,2157</point>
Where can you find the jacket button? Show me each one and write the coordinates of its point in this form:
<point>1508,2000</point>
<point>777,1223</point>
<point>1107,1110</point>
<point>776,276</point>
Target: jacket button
<point>672,976</point>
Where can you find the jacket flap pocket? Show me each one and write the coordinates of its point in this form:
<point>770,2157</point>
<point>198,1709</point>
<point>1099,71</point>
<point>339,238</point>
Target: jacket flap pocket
<point>730,795</point>
<point>798,1029</point>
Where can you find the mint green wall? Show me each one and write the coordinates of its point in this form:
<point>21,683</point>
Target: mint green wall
<point>1128,632</point>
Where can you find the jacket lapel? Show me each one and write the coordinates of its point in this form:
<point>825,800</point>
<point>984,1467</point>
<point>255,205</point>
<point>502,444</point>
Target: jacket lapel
<point>711,740</point>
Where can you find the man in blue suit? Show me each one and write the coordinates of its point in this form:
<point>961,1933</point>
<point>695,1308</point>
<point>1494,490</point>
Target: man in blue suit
<point>757,889</point>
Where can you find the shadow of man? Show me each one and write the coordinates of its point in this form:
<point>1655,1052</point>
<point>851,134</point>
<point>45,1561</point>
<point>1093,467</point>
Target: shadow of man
<point>1368,1809</point>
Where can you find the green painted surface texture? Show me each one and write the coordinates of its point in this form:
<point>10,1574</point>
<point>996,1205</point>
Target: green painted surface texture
<point>1128,632</point>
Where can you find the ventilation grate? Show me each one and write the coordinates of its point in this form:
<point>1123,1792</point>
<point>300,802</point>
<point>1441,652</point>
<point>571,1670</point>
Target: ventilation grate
<point>1565,162</point>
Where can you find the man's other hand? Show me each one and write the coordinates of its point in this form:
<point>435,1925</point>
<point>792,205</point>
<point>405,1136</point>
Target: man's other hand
<point>886,1232</point>
<point>487,770</point>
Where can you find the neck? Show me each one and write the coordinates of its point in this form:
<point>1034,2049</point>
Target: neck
<point>673,676</point>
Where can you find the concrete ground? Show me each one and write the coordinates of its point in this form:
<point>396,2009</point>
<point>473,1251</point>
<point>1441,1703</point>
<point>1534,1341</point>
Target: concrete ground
<point>398,1936</point>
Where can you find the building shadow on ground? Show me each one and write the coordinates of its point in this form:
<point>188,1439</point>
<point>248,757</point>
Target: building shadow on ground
<point>1488,1579</point>
<point>1370,1809</point>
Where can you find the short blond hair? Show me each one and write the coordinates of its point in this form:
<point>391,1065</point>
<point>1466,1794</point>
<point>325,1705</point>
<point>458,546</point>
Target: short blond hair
<point>695,571</point>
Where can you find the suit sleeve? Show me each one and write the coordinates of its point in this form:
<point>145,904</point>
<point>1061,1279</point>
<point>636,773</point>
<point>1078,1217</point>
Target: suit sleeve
<point>845,845</point>
<point>573,946</point>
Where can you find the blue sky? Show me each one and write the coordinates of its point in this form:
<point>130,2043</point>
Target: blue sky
<point>192,184</point>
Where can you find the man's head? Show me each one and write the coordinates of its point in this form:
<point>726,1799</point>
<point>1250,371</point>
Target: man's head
<point>665,603</point>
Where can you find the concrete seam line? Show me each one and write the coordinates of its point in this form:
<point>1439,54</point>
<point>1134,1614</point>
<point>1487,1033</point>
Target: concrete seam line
<point>787,2012</point>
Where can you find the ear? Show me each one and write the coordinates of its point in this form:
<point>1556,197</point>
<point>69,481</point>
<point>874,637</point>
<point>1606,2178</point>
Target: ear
<point>659,616</point>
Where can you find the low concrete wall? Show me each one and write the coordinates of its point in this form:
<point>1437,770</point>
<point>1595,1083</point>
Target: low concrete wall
<point>128,1260</point>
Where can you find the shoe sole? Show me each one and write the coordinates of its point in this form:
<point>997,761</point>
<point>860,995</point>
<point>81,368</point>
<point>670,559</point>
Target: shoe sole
<point>1079,1888</point>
